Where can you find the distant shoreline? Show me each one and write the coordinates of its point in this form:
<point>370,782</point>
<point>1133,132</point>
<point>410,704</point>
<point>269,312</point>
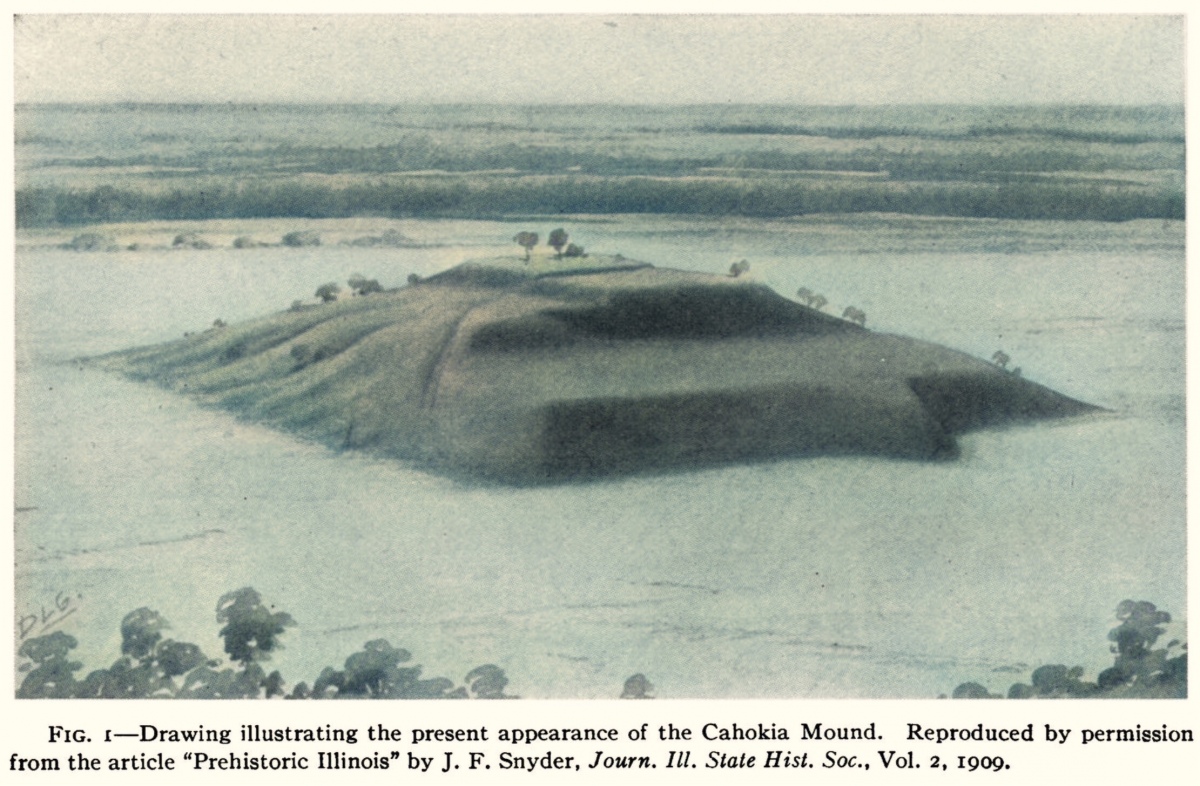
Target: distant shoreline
<point>463,199</point>
<point>84,164</point>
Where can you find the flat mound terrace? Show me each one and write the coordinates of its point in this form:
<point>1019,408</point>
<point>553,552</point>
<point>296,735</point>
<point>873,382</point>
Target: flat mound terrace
<point>499,371</point>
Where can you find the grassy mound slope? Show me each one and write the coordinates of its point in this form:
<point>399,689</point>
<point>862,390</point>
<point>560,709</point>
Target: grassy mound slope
<point>519,374</point>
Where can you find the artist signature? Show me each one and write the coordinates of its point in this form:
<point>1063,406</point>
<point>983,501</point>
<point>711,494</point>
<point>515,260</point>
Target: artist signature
<point>65,604</point>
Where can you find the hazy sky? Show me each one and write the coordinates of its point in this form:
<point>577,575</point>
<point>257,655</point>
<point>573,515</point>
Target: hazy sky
<point>595,58</point>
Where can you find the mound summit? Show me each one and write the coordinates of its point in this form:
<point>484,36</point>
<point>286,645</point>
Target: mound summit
<point>494,370</point>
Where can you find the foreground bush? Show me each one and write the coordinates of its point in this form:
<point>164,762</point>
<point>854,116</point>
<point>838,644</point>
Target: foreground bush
<point>151,666</point>
<point>1138,671</point>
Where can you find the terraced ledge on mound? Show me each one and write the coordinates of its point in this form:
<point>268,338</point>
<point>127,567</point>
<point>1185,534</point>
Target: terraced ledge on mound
<point>493,370</point>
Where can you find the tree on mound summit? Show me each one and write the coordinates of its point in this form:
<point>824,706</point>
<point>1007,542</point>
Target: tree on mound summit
<point>526,240</point>
<point>557,240</point>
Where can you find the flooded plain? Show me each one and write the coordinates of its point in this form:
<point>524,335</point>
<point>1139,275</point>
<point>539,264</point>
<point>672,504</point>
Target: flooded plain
<point>837,577</point>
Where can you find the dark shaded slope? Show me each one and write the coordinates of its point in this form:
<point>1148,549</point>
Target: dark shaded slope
<point>683,312</point>
<point>962,402</point>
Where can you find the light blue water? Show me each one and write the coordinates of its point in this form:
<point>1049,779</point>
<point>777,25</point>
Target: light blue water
<point>826,577</point>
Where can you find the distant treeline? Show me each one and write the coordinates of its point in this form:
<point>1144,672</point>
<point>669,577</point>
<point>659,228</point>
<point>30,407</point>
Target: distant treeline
<point>477,197</point>
<point>1054,153</point>
<point>89,164</point>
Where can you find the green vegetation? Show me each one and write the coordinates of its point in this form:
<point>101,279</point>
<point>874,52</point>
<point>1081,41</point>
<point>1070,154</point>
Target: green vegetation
<point>328,292</point>
<point>451,374</point>
<point>467,197</point>
<point>557,240</point>
<point>526,240</point>
<point>856,315</point>
<point>638,687</point>
<point>389,239</point>
<point>151,666</point>
<point>364,286</point>
<point>302,239</point>
<point>1095,163</point>
<point>1138,672</point>
<point>91,241</point>
<point>190,240</point>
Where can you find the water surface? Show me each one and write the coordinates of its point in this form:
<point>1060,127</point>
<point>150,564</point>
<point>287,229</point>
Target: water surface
<point>820,577</point>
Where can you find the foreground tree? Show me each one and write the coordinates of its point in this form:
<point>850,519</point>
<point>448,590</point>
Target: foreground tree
<point>251,633</point>
<point>51,672</point>
<point>1138,672</point>
<point>251,629</point>
<point>148,664</point>
<point>1133,642</point>
<point>488,682</point>
<point>376,673</point>
<point>638,687</point>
